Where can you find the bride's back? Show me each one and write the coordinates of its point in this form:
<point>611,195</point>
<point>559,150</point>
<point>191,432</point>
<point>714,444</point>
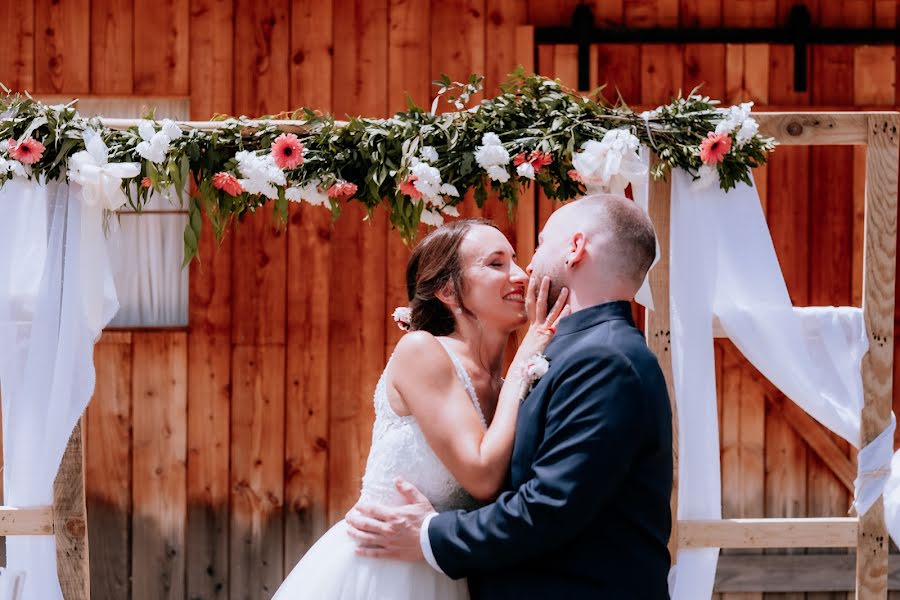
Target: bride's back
<point>399,449</point>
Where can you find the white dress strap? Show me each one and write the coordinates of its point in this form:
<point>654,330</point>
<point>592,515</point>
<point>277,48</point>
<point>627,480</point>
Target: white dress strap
<point>466,380</point>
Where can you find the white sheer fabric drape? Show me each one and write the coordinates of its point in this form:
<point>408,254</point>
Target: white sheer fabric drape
<point>146,252</point>
<point>723,264</point>
<point>56,294</point>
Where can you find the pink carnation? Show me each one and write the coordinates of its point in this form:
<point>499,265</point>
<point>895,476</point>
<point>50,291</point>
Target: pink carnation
<point>146,183</point>
<point>28,152</point>
<point>573,175</point>
<point>227,183</point>
<point>341,189</point>
<point>287,151</point>
<point>714,148</point>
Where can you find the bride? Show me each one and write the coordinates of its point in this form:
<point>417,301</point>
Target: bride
<point>444,417</point>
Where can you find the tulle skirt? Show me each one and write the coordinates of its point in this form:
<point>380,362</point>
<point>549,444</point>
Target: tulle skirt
<point>331,570</point>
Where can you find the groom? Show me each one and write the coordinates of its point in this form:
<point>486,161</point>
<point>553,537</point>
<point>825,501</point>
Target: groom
<point>586,511</point>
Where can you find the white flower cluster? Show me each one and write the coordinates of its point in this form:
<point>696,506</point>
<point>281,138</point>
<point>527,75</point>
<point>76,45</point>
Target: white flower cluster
<point>738,118</point>
<point>493,157</point>
<point>260,174</point>
<point>610,164</point>
<point>12,168</point>
<point>526,170</point>
<point>310,192</point>
<point>428,183</point>
<point>155,144</point>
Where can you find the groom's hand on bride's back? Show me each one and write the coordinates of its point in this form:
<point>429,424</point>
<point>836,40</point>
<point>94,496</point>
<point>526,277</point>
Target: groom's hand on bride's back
<point>390,531</point>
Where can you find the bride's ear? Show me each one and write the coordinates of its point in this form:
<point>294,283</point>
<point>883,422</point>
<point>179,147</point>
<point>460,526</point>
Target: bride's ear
<point>446,295</point>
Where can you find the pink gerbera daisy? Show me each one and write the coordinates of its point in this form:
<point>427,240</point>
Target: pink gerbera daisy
<point>288,151</point>
<point>341,189</point>
<point>714,148</point>
<point>408,188</point>
<point>227,183</point>
<point>28,152</point>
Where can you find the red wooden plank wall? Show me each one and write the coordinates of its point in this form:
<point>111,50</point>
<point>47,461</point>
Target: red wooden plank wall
<point>217,455</point>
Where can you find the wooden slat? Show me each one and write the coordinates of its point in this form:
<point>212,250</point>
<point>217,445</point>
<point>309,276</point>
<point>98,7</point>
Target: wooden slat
<point>358,314</point>
<point>795,573</point>
<point>257,471</point>
<point>159,409</point>
<point>409,72</point>
<point>661,72</point>
<point>749,13</point>
<point>833,456</point>
<point>211,47</point>
<point>526,233</point>
<point>308,294</point>
<point>26,521</point>
<point>17,55</point>
<point>62,46</point>
<point>504,18</point>
<point>107,433</point>
<point>70,522</point>
<point>878,310</point>
<point>658,321</point>
<point>743,392</point>
<point>161,40</point>
<point>805,129</point>
<point>208,420</point>
<point>836,532</point>
<point>209,338</point>
<point>830,259</point>
<point>652,13</point>
<point>112,37</point>
<point>259,251</point>
<point>787,214</point>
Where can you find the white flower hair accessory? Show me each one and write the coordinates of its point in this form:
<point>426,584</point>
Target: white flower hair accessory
<point>402,317</point>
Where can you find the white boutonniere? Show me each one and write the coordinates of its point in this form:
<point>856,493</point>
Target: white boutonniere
<point>535,368</point>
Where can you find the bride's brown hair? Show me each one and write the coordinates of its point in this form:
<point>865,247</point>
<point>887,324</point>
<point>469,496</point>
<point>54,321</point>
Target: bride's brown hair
<point>434,264</point>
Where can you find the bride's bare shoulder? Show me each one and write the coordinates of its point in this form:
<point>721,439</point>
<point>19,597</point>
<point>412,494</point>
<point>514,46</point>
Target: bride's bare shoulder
<point>420,355</point>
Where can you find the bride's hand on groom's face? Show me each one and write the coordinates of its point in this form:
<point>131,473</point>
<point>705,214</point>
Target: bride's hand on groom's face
<point>543,321</point>
<point>390,532</point>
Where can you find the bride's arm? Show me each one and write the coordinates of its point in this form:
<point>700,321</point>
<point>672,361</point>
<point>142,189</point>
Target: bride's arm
<point>426,381</point>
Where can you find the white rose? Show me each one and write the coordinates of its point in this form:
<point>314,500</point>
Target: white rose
<point>490,139</point>
<point>498,173</point>
<point>526,170</point>
<point>429,153</point>
<point>432,218</point>
<point>449,189</point>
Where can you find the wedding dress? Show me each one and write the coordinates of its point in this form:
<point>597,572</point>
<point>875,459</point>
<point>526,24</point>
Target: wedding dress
<point>331,570</point>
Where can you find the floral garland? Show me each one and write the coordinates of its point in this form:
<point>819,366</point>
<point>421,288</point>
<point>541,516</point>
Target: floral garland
<point>417,164</point>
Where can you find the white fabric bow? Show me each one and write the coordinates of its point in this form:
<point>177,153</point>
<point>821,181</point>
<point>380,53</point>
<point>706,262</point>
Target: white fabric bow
<point>610,164</point>
<point>101,179</point>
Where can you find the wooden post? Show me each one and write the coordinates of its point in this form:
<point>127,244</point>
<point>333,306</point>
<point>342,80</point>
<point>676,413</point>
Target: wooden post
<point>70,522</point>
<point>657,326</point>
<point>879,264</point>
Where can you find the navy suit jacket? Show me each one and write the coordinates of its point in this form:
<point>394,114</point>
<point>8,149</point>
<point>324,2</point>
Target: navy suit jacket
<point>586,512</point>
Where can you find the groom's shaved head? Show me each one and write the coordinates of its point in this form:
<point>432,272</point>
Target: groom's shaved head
<point>618,229</point>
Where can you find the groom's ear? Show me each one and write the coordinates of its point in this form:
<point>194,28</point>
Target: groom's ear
<point>577,249</point>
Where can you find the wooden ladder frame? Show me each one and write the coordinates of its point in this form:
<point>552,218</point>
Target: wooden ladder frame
<point>66,519</point>
<point>879,132</point>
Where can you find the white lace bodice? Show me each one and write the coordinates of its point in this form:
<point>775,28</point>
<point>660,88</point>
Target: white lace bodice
<point>399,449</point>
